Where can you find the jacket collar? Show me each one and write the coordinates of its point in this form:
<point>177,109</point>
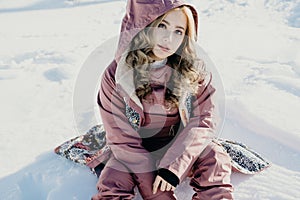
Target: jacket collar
<point>124,80</point>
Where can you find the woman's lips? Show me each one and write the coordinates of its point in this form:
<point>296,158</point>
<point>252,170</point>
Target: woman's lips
<point>166,49</point>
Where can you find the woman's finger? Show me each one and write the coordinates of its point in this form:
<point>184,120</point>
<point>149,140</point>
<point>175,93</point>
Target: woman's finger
<point>173,188</point>
<point>169,187</point>
<point>163,185</point>
<point>156,183</point>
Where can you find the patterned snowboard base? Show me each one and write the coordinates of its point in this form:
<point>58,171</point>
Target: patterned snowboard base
<point>87,148</point>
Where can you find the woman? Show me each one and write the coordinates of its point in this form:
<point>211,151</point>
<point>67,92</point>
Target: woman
<point>156,106</point>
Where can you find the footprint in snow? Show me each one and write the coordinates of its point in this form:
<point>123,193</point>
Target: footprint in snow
<point>55,75</point>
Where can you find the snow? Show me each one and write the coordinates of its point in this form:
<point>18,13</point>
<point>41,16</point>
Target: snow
<point>46,65</point>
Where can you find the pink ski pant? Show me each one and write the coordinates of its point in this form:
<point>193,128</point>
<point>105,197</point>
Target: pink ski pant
<point>210,179</point>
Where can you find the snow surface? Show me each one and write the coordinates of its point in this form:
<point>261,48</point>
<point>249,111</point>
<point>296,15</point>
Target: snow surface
<point>44,51</point>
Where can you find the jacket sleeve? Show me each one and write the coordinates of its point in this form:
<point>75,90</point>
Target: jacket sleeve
<point>124,141</point>
<point>195,136</point>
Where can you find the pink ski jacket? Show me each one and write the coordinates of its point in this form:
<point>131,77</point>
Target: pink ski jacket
<point>122,112</point>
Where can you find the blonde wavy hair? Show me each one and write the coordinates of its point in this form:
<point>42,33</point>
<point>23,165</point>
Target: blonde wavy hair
<point>187,72</point>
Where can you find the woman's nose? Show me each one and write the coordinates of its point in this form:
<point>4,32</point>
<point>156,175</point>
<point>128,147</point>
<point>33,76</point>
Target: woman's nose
<point>167,37</point>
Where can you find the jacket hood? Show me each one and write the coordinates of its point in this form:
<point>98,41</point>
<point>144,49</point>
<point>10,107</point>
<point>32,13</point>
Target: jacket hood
<point>140,13</point>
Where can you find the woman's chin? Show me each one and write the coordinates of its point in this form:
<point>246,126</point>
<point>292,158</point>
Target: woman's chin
<point>160,55</point>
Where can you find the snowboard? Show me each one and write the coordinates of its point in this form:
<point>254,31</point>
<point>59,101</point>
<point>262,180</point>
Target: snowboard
<point>91,148</point>
<point>86,148</point>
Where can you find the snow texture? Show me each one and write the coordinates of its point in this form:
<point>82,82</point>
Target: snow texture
<point>48,90</point>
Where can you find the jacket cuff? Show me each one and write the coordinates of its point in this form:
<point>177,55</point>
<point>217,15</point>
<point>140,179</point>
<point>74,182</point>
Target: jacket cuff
<point>168,176</point>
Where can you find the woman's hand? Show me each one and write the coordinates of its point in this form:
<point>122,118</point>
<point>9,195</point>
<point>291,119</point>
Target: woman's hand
<point>164,185</point>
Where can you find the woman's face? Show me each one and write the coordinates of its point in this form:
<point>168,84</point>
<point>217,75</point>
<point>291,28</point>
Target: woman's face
<point>169,34</point>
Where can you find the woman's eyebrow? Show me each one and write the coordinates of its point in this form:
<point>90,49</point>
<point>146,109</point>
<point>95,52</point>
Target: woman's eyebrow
<point>180,27</point>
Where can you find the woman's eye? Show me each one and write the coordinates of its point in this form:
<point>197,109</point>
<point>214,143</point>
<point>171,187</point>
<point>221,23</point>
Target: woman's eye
<point>178,32</point>
<point>161,26</point>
